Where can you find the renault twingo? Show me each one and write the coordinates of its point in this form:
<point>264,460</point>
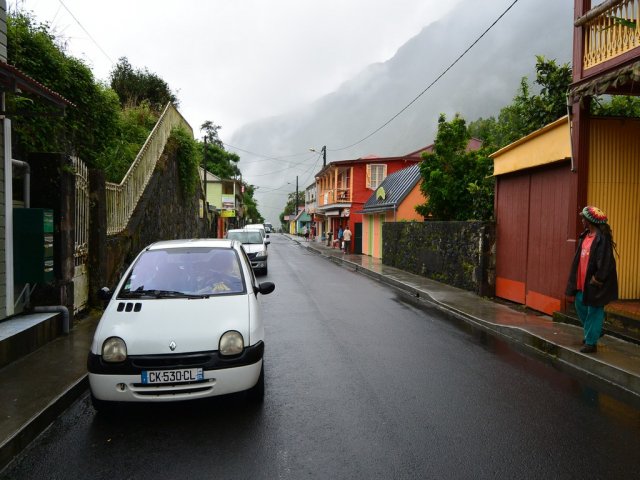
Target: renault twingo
<point>183,323</point>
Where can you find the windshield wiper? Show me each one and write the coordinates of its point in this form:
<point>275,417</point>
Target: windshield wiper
<point>160,294</point>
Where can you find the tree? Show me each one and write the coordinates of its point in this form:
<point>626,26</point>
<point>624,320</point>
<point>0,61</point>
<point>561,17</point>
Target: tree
<point>86,129</point>
<point>217,160</point>
<point>251,205</point>
<point>528,112</point>
<point>456,182</point>
<point>290,207</point>
<point>616,106</point>
<point>135,86</point>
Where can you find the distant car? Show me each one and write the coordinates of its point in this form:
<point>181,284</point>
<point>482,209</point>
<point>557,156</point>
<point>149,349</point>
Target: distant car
<point>254,245</point>
<point>268,228</point>
<point>258,226</point>
<point>183,323</point>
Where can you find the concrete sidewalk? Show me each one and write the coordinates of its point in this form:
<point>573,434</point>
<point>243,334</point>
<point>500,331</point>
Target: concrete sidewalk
<point>615,366</point>
<point>37,388</point>
<point>40,386</point>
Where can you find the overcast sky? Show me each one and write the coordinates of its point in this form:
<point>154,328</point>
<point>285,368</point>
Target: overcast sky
<point>236,61</point>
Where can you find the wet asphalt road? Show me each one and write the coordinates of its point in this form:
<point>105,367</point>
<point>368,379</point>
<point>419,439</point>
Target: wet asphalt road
<point>359,384</point>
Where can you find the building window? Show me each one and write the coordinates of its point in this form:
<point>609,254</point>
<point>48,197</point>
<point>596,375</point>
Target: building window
<point>376,173</point>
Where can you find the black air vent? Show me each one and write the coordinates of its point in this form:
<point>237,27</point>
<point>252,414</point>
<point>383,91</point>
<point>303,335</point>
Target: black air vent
<point>128,307</point>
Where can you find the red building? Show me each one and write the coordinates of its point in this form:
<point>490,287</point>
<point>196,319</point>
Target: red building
<point>344,186</point>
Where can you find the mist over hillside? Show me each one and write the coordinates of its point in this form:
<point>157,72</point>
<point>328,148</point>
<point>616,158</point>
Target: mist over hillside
<point>481,83</point>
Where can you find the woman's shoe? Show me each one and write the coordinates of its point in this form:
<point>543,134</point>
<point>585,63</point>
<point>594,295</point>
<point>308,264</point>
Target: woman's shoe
<point>589,348</point>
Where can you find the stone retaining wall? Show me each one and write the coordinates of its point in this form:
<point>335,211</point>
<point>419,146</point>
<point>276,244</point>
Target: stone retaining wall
<point>461,254</point>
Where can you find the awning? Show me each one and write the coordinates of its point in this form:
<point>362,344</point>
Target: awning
<point>620,80</point>
<point>13,80</point>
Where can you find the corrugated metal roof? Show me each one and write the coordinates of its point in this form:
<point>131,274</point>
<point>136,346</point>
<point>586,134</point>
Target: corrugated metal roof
<point>12,78</point>
<point>396,187</point>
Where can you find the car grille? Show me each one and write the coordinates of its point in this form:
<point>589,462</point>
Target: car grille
<point>171,361</point>
<point>172,389</point>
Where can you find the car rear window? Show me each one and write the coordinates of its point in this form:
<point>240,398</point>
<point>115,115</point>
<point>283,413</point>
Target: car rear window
<point>245,237</point>
<point>185,271</point>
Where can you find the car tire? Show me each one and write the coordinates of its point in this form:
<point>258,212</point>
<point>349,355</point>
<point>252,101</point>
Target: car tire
<point>256,393</point>
<point>102,406</point>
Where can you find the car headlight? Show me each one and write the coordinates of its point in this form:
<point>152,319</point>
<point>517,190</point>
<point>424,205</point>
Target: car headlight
<point>231,343</point>
<point>114,350</point>
<point>261,255</point>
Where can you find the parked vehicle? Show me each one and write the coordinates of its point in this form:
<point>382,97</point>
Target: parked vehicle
<point>184,323</point>
<point>254,245</point>
<point>258,226</point>
<point>268,228</point>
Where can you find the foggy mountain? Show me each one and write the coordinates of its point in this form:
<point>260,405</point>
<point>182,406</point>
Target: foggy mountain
<point>483,81</point>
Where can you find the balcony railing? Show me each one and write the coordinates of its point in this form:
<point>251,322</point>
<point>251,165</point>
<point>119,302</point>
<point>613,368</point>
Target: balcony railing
<point>123,197</point>
<point>610,30</point>
<point>340,195</point>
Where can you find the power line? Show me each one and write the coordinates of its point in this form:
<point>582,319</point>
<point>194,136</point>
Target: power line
<point>432,83</point>
<point>87,32</point>
<point>425,90</point>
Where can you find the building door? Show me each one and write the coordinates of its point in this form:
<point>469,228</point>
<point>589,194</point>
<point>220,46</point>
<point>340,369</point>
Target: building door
<point>357,238</point>
<point>533,251</point>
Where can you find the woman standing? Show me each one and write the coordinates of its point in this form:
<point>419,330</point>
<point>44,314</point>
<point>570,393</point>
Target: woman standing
<point>593,279</point>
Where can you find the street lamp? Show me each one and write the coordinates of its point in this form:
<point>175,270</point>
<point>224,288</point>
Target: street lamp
<point>323,150</point>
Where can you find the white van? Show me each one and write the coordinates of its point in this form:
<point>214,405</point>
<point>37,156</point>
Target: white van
<point>258,226</point>
<point>254,245</point>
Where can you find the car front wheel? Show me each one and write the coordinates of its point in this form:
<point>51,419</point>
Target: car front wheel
<point>102,406</point>
<point>256,393</point>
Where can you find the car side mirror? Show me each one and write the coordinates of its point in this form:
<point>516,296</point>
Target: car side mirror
<point>105,294</point>
<point>265,288</point>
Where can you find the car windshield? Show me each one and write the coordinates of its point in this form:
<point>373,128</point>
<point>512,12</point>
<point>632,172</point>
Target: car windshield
<point>184,273</point>
<point>246,237</point>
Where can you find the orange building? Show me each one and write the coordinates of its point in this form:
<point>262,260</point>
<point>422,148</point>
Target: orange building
<point>393,201</point>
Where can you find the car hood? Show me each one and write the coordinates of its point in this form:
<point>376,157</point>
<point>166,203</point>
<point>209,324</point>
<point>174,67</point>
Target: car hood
<point>254,247</point>
<point>193,325</point>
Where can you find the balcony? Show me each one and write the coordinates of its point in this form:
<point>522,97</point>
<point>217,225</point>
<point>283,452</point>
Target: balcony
<point>329,197</point>
<point>610,30</point>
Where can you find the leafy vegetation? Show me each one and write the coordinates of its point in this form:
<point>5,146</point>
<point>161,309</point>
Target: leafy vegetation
<point>137,86</point>
<point>290,207</point>
<point>456,182</point>
<point>108,124</point>
<point>217,160</point>
<point>132,129</point>
<point>527,112</point>
<point>87,128</point>
<point>189,159</point>
<point>251,205</point>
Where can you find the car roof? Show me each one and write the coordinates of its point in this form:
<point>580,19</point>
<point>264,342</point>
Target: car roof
<point>234,230</point>
<point>193,242</point>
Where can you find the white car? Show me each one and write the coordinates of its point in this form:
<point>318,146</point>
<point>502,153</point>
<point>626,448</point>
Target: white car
<point>259,227</point>
<point>183,323</point>
<point>254,245</point>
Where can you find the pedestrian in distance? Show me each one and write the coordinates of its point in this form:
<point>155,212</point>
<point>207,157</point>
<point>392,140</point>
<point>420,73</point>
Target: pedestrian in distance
<point>340,235</point>
<point>347,238</point>
<point>593,279</point>
<point>305,233</point>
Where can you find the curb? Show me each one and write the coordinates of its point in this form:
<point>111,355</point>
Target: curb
<point>16,444</point>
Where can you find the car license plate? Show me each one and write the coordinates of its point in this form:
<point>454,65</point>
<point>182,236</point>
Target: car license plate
<point>172,376</point>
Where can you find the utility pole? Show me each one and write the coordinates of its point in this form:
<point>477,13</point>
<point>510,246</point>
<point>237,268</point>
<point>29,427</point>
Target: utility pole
<point>324,155</point>
<point>296,212</point>
<point>204,166</point>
